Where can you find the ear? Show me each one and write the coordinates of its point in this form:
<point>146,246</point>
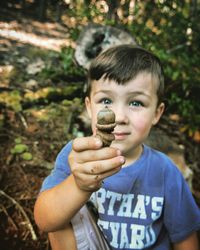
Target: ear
<point>88,106</point>
<point>158,113</point>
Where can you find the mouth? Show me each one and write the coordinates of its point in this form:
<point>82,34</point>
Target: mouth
<point>120,136</point>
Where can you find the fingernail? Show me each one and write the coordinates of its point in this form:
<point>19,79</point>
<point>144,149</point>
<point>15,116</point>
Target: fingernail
<point>98,142</point>
<point>122,159</point>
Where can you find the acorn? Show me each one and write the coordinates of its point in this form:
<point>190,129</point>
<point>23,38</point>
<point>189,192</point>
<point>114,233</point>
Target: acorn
<point>105,126</point>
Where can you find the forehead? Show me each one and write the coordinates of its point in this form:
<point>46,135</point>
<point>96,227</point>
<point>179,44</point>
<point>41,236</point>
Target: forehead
<point>144,82</point>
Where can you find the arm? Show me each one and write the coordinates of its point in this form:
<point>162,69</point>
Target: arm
<point>191,242</point>
<point>89,164</point>
<point>55,207</point>
<point>63,239</point>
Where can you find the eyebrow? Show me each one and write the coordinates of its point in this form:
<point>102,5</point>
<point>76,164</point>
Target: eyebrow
<point>103,91</point>
<point>134,93</point>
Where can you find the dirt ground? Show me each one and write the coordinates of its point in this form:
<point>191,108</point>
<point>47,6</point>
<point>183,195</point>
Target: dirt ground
<point>43,128</point>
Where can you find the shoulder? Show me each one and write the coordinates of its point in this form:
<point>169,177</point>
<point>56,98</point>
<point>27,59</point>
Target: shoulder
<point>161,168</point>
<point>66,149</point>
<point>62,156</point>
<point>160,161</point>
<point>181,213</point>
<point>61,169</point>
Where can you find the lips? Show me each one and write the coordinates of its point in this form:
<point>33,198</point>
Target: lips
<point>121,135</point>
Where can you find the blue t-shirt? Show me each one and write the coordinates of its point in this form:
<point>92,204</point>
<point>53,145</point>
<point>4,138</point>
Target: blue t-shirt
<point>146,205</point>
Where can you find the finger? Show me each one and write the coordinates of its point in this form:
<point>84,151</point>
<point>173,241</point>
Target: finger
<point>93,182</point>
<point>97,155</point>
<point>86,143</point>
<point>103,166</point>
<point>101,177</point>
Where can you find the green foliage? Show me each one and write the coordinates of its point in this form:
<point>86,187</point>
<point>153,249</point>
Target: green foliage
<point>18,140</point>
<point>19,148</point>
<point>49,94</point>
<point>2,120</point>
<point>12,100</point>
<point>74,33</point>
<point>66,57</point>
<point>27,156</point>
<point>61,66</point>
<point>170,29</point>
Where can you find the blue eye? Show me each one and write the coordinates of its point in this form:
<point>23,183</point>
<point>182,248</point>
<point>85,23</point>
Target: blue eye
<point>105,101</point>
<point>136,104</point>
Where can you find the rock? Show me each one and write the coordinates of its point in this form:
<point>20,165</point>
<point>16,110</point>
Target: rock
<point>31,83</point>
<point>37,66</point>
<point>6,73</point>
<point>95,38</point>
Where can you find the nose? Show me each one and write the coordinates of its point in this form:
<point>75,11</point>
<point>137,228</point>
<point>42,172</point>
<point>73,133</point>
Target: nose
<point>120,115</point>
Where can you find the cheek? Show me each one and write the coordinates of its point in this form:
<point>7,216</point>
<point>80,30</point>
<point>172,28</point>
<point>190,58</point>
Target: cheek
<point>142,124</point>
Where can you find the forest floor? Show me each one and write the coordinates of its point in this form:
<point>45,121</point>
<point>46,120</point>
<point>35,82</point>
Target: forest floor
<point>37,130</point>
<point>31,135</point>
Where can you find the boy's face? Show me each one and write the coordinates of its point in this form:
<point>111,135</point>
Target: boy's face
<point>135,107</point>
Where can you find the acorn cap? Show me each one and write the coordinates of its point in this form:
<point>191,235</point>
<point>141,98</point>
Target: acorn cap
<point>105,116</point>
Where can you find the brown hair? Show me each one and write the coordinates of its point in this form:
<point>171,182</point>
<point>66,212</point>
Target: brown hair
<point>124,62</point>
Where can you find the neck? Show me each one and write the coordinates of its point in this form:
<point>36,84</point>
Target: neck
<point>134,156</point>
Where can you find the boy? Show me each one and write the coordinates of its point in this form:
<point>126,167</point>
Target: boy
<point>142,199</point>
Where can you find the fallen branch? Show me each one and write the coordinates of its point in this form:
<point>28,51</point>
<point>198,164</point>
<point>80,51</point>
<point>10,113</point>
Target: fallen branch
<point>9,218</point>
<point>34,237</point>
<point>177,47</point>
<point>23,120</point>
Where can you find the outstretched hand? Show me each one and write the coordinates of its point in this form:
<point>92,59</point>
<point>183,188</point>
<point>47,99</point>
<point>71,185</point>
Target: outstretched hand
<point>90,163</point>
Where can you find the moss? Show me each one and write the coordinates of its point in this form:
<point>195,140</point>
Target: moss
<point>12,99</point>
<point>19,149</point>
<point>27,156</point>
<point>18,140</point>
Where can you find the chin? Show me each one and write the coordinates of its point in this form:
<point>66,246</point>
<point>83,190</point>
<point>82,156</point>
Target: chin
<point>125,147</point>
<point>118,145</point>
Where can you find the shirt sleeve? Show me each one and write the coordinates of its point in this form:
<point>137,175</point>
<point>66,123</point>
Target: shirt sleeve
<point>181,213</point>
<point>61,169</point>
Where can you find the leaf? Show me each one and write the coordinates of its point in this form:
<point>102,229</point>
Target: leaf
<point>18,140</point>
<point>19,148</point>
<point>184,128</point>
<point>196,136</point>
<point>27,156</point>
<point>174,117</point>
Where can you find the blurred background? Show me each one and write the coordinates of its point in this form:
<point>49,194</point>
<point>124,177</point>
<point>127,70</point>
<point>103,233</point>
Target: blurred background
<point>45,49</point>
